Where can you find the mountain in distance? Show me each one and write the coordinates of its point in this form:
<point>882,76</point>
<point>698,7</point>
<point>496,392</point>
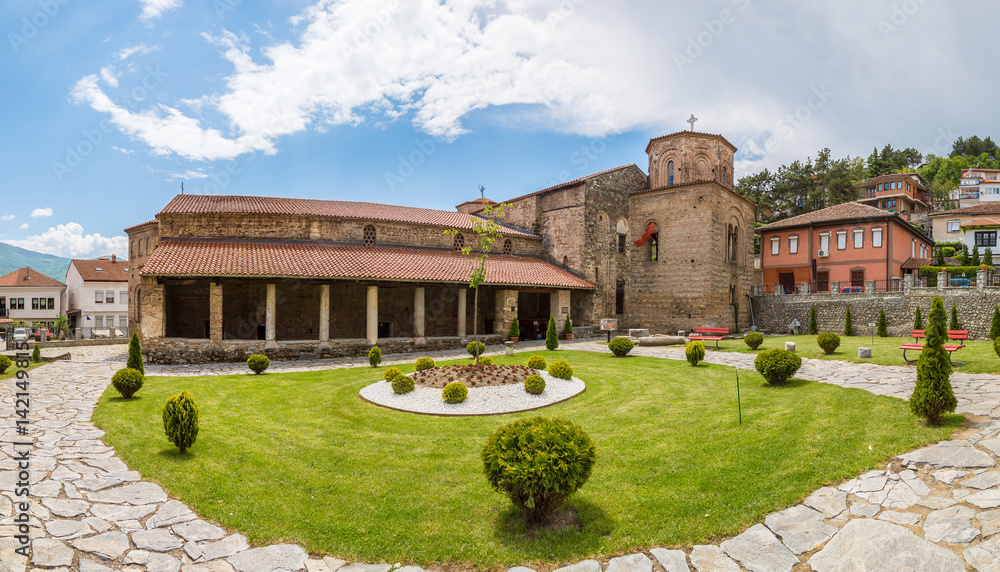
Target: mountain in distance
<point>13,258</point>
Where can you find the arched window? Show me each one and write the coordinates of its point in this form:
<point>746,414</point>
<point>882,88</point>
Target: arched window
<point>670,173</point>
<point>131,249</point>
<point>565,262</point>
<point>508,247</point>
<point>725,174</point>
<point>734,241</point>
<point>459,241</point>
<point>620,296</point>
<point>369,236</point>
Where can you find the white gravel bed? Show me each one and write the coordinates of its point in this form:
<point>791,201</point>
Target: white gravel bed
<point>490,400</point>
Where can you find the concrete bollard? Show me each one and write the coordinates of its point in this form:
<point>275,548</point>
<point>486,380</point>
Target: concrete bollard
<point>864,353</point>
<point>508,348</point>
<point>790,346</point>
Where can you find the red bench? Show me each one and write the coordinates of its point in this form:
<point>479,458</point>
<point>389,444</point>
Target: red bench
<point>960,335</point>
<point>710,334</point>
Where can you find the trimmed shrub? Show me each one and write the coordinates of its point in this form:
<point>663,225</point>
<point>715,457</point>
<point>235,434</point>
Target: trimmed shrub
<point>996,346</point>
<point>180,420</point>
<point>551,336</point>
<point>135,354</point>
<point>813,328</point>
<point>402,384</point>
<point>918,320</point>
<point>621,346</point>
<point>882,328</point>
<point>534,384</point>
<point>995,325</point>
<point>423,363</point>
<point>471,348</point>
<point>848,327</point>
<point>455,392</point>
<point>953,325</point>
<point>932,396</point>
<point>5,363</point>
<point>515,329</point>
<point>538,463</point>
<point>391,373</point>
<point>947,252</point>
<point>567,326</point>
<point>485,360</point>
<point>537,362</point>
<point>374,356</point>
<point>828,342</point>
<point>36,354</point>
<point>753,339</point>
<point>127,381</point>
<point>988,257</point>
<point>258,363</point>
<point>561,369</point>
<point>777,365</point>
<point>695,352</point>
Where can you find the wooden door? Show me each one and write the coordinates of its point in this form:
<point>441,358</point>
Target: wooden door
<point>787,281</point>
<point>823,281</point>
<point>858,278</point>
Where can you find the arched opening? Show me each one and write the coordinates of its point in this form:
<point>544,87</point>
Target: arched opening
<point>565,262</point>
<point>620,296</point>
<point>670,174</point>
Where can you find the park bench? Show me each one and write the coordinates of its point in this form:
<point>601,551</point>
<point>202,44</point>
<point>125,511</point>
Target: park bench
<point>710,334</point>
<point>960,335</point>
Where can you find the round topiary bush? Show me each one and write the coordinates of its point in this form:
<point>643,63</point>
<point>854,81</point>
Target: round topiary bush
<point>391,373</point>
<point>402,384</point>
<point>695,352</point>
<point>538,463</point>
<point>258,363</point>
<point>534,384</point>
<point>537,362</point>
<point>455,392</point>
<point>374,356</point>
<point>753,339</point>
<point>561,369</point>
<point>180,420</point>
<point>126,381</point>
<point>423,363</point>
<point>777,365</point>
<point>829,342</point>
<point>5,363</point>
<point>471,348</point>
<point>621,346</point>
<point>485,360</point>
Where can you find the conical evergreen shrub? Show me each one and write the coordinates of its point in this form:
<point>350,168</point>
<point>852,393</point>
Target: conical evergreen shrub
<point>135,354</point>
<point>848,328</point>
<point>812,321</point>
<point>954,318</point>
<point>180,420</point>
<point>918,320</point>
<point>975,257</point>
<point>995,326</point>
<point>551,335</point>
<point>933,395</point>
<point>882,329</point>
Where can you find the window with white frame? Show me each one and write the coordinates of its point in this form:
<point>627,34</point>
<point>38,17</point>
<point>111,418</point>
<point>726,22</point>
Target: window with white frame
<point>793,245</point>
<point>953,226</point>
<point>99,296</point>
<point>859,239</point>
<point>775,245</point>
<point>123,297</point>
<point>876,238</point>
<point>98,321</point>
<point>824,241</point>
<point>842,240</point>
<point>110,296</point>
<point>913,248</point>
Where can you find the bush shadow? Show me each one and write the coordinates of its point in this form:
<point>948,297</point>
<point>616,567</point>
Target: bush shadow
<point>580,527</point>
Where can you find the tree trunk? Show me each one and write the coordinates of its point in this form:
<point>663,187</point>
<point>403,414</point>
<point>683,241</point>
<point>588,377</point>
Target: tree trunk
<point>475,323</point>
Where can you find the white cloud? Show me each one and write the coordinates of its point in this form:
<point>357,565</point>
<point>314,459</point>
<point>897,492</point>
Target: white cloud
<point>8,217</point>
<point>126,152</point>
<point>37,213</point>
<point>152,9</point>
<point>68,240</point>
<point>189,174</point>
<point>108,75</point>
<point>126,53</point>
<point>23,226</point>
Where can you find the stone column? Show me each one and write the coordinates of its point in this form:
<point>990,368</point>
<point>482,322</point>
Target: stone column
<point>981,278</point>
<point>419,314</point>
<point>461,312</point>
<point>215,311</point>
<point>835,287</point>
<point>373,315</point>
<point>324,317</point>
<point>505,311</point>
<point>804,288</point>
<point>942,280</point>
<point>152,301</point>
<point>270,339</point>
<point>559,307</point>
<point>908,282</point>
<point>869,286</point>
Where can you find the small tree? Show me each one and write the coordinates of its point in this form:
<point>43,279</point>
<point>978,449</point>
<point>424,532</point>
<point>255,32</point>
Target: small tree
<point>995,326</point>
<point>36,354</point>
<point>848,328</point>
<point>918,320</point>
<point>551,335</point>
<point>515,329</point>
<point>487,231</point>
<point>964,257</point>
<point>135,354</point>
<point>932,395</point>
<point>882,329</point>
<point>567,327</point>
<point>813,328</point>
<point>180,420</point>
<point>954,318</point>
<point>988,257</point>
<point>374,356</point>
<point>975,257</point>
<point>62,323</point>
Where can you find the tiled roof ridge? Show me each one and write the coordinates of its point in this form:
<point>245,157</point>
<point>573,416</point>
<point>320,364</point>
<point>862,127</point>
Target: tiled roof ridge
<point>141,224</point>
<point>980,209</point>
<point>37,279</point>
<point>695,133</point>
<point>831,214</point>
<point>573,182</point>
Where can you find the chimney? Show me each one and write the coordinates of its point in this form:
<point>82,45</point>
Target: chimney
<point>27,274</point>
<point>114,258</point>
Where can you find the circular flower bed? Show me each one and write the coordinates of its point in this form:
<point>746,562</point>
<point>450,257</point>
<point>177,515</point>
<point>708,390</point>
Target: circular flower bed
<point>473,376</point>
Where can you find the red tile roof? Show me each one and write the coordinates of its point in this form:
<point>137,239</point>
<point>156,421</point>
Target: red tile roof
<point>573,182</point>
<point>177,257</point>
<point>843,211</point>
<point>916,263</point>
<point>109,271</point>
<point>137,226</point>
<point>28,277</point>
<point>980,209</point>
<point>244,205</point>
<point>690,133</point>
<point>982,223</point>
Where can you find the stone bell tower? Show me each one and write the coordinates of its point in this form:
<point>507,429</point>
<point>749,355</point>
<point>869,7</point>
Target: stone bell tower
<point>689,157</point>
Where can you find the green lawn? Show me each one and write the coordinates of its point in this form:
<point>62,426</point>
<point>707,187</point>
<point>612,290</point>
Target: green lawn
<point>300,458</point>
<point>12,370</point>
<point>978,356</point>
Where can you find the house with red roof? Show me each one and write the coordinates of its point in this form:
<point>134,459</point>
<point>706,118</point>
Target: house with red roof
<point>849,245</point>
<point>97,295</point>
<point>31,298</point>
<point>974,225</point>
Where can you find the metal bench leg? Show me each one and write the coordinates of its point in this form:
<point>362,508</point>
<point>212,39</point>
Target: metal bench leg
<point>907,360</point>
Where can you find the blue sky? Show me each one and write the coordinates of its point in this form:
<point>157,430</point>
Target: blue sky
<point>109,106</point>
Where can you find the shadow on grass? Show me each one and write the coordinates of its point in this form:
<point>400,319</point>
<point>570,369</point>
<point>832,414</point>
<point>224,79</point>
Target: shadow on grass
<point>584,526</point>
<point>120,399</point>
<point>174,454</point>
<point>790,384</point>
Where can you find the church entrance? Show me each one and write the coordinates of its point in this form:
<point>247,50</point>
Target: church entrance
<point>533,310</point>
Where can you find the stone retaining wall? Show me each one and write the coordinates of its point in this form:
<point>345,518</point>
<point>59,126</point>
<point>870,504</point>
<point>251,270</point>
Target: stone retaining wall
<point>975,310</point>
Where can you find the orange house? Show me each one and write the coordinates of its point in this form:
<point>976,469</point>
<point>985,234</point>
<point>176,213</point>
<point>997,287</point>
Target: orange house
<point>849,243</point>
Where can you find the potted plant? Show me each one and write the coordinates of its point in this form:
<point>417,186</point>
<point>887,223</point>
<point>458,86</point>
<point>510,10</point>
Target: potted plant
<point>515,330</point>
<point>568,329</point>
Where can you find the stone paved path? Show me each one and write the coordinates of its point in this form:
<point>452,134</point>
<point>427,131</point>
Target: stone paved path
<point>935,509</point>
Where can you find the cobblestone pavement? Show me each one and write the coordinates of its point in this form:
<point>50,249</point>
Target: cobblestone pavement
<point>935,509</point>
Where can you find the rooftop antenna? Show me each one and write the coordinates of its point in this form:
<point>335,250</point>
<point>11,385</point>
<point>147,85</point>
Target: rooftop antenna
<point>691,120</point>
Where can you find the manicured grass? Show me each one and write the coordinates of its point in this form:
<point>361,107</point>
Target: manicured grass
<point>12,370</point>
<point>300,458</point>
<point>978,356</point>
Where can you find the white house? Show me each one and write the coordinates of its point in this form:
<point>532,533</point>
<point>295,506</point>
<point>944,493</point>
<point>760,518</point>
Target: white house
<point>982,234</point>
<point>31,297</point>
<point>978,186</point>
<point>98,297</point>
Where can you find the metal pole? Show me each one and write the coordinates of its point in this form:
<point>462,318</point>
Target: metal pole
<point>739,405</point>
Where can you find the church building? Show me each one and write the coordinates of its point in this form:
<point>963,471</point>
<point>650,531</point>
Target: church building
<point>218,278</point>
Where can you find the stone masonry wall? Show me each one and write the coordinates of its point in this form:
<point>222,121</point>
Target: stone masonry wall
<point>975,310</point>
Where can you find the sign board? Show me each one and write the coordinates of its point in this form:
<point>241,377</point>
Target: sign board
<point>609,324</point>
<point>872,324</point>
